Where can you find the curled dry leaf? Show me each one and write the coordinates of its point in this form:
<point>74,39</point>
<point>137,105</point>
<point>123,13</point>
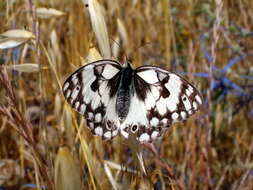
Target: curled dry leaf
<point>52,136</point>
<point>9,172</point>
<point>33,114</point>
<point>43,12</point>
<point>26,67</point>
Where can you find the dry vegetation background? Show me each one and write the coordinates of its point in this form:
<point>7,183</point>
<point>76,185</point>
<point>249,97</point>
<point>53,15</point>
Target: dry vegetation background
<point>43,142</point>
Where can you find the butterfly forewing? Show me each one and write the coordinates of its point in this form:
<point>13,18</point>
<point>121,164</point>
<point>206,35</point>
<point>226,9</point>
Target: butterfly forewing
<point>171,93</point>
<point>160,99</point>
<point>91,91</point>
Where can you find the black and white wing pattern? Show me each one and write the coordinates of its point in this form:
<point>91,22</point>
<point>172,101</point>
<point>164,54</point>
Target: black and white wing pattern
<point>160,98</point>
<point>91,90</point>
<point>142,102</point>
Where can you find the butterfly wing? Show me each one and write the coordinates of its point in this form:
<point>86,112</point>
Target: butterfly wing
<point>91,90</point>
<point>160,98</point>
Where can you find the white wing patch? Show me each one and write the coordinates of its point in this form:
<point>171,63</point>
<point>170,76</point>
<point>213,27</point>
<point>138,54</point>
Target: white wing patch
<point>174,87</point>
<point>109,71</point>
<point>149,76</point>
<point>88,92</point>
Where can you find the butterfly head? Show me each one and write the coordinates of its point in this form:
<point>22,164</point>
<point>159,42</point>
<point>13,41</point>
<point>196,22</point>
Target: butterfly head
<point>127,64</point>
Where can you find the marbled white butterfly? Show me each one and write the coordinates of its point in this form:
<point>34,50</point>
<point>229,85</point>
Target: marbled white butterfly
<point>116,98</point>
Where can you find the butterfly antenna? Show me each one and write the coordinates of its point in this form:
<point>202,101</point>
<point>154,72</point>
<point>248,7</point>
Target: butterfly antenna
<point>141,45</point>
<point>123,58</point>
<point>122,55</point>
<point>138,47</point>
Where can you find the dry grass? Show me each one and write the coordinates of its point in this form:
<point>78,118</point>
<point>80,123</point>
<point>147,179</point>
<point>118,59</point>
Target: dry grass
<point>44,144</point>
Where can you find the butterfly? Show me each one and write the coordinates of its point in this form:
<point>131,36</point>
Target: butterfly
<point>116,98</point>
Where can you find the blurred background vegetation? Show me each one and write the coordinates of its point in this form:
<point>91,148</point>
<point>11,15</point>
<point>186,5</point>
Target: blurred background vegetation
<point>43,142</point>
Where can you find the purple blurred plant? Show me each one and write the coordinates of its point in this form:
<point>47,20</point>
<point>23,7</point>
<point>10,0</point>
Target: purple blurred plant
<point>222,86</point>
<point>220,79</point>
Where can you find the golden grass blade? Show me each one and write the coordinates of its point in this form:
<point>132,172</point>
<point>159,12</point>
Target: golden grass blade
<point>11,43</point>
<point>122,32</point>
<point>25,68</point>
<point>119,167</point>
<point>137,153</point>
<point>116,47</point>
<point>17,33</point>
<point>55,53</point>
<point>99,28</point>
<point>88,159</point>
<point>93,55</point>
<point>141,161</point>
<point>46,13</point>
<point>51,65</point>
<point>94,166</point>
<point>86,154</point>
<point>66,173</point>
<point>14,38</point>
<point>57,106</point>
<point>66,121</point>
<point>110,177</point>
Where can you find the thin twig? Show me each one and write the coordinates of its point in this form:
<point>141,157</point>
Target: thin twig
<point>215,38</point>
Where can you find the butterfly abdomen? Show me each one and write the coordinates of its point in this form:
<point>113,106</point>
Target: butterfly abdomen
<point>123,103</point>
<point>124,92</point>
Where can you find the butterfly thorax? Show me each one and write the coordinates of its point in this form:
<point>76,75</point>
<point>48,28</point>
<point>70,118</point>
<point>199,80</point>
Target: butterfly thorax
<point>124,92</point>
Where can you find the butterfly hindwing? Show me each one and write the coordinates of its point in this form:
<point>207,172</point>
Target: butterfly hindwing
<point>138,124</point>
<point>91,91</point>
<point>160,99</point>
